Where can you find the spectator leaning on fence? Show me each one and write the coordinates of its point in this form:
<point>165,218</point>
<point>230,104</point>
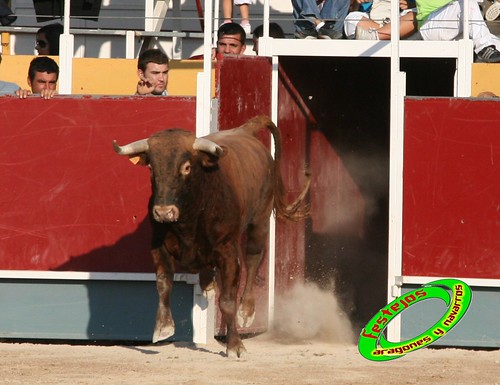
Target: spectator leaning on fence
<point>43,74</point>
<point>152,69</point>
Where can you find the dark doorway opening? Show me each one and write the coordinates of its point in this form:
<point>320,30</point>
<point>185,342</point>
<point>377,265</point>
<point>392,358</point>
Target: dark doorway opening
<point>350,99</point>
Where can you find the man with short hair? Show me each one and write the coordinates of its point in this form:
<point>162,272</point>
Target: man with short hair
<point>43,74</point>
<point>152,69</point>
<point>231,39</point>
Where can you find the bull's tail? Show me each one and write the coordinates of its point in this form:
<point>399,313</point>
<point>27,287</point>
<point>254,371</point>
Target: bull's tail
<point>299,208</point>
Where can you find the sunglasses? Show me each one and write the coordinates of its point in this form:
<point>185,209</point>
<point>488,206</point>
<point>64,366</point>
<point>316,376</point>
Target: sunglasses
<point>42,44</point>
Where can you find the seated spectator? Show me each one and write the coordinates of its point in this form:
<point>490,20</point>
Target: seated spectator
<point>152,69</point>
<point>322,19</point>
<point>362,26</point>
<point>7,88</point>
<point>47,39</point>
<point>7,17</point>
<point>43,74</point>
<point>445,22</point>
<point>275,31</point>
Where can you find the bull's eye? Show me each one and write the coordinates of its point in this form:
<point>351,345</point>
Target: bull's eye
<point>185,168</point>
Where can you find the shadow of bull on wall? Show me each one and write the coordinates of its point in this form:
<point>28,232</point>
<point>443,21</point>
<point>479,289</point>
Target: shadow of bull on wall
<point>118,309</point>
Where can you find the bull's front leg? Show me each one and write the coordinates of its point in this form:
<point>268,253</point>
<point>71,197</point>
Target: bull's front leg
<point>164,327</point>
<point>227,263</point>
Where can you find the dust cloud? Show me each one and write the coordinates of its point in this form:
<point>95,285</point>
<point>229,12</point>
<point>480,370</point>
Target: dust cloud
<point>308,313</point>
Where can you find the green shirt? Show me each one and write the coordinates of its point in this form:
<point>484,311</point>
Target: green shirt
<point>426,7</point>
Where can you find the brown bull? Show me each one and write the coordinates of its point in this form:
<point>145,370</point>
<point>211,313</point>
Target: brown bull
<point>207,193</point>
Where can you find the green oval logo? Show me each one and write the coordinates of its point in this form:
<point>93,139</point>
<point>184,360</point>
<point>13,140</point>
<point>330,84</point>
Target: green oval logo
<point>374,346</point>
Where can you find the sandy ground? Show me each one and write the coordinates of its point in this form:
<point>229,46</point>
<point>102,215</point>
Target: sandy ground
<point>268,362</point>
<point>316,345</point>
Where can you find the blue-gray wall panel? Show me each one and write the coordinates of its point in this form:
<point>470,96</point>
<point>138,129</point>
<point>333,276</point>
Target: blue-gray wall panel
<point>89,310</point>
<point>480,327</point>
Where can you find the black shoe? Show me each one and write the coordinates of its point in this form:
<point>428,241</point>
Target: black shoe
<point>327,32</point>
<point>309,33</point>
<point>488,55</point>
<point>8,20</point>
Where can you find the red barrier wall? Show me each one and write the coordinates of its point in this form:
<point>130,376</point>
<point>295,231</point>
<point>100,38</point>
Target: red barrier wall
<point>451,222</point>
<point>68,202</point>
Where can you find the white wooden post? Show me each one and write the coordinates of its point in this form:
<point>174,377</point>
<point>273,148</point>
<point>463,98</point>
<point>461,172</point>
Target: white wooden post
<point>66,49</point>
<point>398,91</point>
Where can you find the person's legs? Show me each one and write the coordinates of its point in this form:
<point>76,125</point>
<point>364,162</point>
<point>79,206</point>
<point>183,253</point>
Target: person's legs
<point>335,12</point>
<point>478,31</point>
<point>368,29</point>
<point>245,13</point>
<point>306,18</point>
<point>407,27</point>
<point>245,17</point>
<point>352,20</point>
<point>6,15</point>
<point>244,7</point>
<point>446,24</point>
<point>443,23</point>
<point>227,10</point>
<point>4,8</point>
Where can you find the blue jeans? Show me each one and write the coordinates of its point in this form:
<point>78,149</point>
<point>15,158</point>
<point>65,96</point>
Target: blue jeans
<point>4,8</point>
<point>333,12</point>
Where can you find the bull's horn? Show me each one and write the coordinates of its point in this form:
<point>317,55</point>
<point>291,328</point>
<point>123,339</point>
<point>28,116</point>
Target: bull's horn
<point>131,148</point>
<point>206,145</point>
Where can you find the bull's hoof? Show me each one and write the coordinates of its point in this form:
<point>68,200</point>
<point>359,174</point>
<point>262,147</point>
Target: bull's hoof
<point>162,333</point>
<point>245,319</point>
<point>237,351</point>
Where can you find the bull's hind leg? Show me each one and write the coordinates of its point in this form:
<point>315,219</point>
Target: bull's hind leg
<point>164,327</point>
<point>256,239</point>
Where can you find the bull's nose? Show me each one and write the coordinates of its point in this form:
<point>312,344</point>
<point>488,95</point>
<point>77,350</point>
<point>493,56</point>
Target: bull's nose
<point>165,213</point>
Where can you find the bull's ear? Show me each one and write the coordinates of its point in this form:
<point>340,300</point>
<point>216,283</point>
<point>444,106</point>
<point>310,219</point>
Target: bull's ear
<point>209,159</point>
<point>139,159</point>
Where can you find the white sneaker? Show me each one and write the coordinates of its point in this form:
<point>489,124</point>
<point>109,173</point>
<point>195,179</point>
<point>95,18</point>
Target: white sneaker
<point>366,34</point>
<point>247,28</point>
<point>493,11</point>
